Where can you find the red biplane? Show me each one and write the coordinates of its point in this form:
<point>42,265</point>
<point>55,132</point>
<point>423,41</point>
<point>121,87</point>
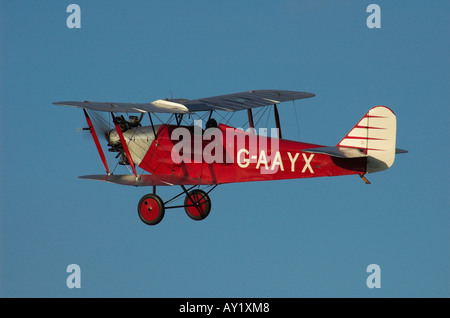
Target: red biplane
<point>172,153</point>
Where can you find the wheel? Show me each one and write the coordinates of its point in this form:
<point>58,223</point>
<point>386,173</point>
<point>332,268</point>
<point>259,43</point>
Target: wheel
<point>151,209</point>
<point>197,204</point>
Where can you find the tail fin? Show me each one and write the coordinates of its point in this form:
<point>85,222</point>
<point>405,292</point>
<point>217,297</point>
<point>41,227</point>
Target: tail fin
<point>374,135</point>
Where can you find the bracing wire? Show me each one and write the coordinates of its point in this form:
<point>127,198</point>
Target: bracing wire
<point>296,119</point>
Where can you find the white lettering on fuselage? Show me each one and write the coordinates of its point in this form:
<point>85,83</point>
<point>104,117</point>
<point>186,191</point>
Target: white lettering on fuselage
<point>276,163</point>
<point>307,163</point>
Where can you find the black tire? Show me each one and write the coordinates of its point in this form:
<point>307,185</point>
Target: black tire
<point>151,209</point>
<point>200,207</point>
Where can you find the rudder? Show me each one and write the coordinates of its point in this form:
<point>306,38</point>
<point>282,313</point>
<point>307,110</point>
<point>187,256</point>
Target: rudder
<point>374,135</point>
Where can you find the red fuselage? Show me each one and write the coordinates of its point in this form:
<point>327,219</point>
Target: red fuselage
<point>231,155</point>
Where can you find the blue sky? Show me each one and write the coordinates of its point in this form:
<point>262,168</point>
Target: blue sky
<point>296,238</point>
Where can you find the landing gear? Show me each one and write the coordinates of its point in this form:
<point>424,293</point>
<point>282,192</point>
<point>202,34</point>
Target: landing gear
<point>197,205</point>
<point>151,209</point>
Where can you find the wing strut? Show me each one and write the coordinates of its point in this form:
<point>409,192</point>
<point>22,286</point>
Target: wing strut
<point>124,144</point>
<point>250,120</point>
<point>97,142</point>
<point>153,127</point>
<point>277,120</point>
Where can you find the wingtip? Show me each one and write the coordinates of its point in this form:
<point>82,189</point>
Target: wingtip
<point>61,103</point>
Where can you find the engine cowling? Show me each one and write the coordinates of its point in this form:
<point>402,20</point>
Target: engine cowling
<point>138,140</point>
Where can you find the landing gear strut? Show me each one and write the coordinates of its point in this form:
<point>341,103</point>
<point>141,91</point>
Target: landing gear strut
<point>197,205</point>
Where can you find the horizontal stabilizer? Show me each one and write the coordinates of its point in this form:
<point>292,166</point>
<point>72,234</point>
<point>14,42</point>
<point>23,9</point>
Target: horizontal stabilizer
<point>147,180</point>
<point>340,152</point>
<point>398,150</point>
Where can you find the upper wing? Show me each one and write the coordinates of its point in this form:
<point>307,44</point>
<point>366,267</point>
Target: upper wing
<point>158,106</point>
<point>244,100</point>
<point>229,102</point>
